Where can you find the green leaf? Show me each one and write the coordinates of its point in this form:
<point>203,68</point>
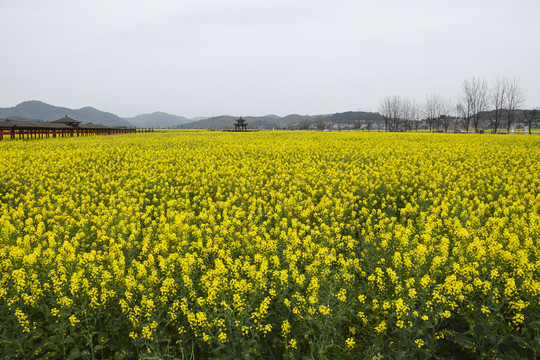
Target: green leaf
<point>75,353</point>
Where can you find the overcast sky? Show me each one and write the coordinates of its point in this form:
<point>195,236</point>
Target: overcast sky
<point>258,57</point>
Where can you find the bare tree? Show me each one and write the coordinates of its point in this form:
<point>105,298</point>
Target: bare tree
<point>499,92</point>
<point>458,112</point>
<point>391,111</point>
<point>514,98</point>
<point>531,117</point>
<point>444,120</point>
<point>319,123</point>
<point>304,124</point>
<point>397,112</point>
<point>430,110</point>
<point>474,98</point>
<point>357,123</point>
<point>369,124</point>
<point>406,114</point>
<point>433,109</point>
<point>411,114</point>
<point>417,115</point>
<point>463,114</point>
<point>445,117</point>
<point>384,110</point>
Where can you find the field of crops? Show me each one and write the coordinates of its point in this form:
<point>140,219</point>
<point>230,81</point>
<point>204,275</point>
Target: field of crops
<point>270,245</point>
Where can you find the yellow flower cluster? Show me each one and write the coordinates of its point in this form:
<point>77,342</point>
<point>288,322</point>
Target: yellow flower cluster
<point>214,239</point>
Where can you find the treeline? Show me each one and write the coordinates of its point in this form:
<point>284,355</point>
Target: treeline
<point>480,103</point>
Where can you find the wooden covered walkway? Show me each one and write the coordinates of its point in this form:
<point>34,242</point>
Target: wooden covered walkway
<point>65,127</point>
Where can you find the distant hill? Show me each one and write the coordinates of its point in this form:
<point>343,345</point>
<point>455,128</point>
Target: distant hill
<point>217,122</point>
<point>227,122</point>
<point>295,118</point>
<point>158,120</point>
<point>351,117</point>
<point>264,122</point>
<point>40,111</point>
<point>292,121</point>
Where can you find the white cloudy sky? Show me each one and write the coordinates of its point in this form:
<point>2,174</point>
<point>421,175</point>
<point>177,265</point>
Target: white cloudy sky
<point>257,57</point>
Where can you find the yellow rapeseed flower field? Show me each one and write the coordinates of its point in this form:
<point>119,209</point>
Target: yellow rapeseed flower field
<point>270,245</point>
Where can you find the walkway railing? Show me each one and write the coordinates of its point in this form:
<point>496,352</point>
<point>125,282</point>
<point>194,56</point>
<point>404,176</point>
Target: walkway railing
<point>21,134</point>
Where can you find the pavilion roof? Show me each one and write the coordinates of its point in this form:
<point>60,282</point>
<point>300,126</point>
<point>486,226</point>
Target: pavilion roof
<point>67,120</point>
<point>32,125</point>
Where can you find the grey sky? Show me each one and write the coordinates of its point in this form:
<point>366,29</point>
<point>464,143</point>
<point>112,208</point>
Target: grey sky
<point>256,57</point>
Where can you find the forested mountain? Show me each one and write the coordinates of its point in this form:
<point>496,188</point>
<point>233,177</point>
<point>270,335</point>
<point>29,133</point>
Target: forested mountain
<point>158,120</point>
<point>40,111</point>
<point>292,121</point>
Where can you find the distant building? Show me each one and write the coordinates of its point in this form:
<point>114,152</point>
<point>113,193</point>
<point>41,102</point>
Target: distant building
<point>65,126</point>
<point>68,121</point>
<point>240,125</point>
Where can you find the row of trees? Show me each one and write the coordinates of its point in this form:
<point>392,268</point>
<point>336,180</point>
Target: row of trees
<point>499,101</point>
<point>400,113</point>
